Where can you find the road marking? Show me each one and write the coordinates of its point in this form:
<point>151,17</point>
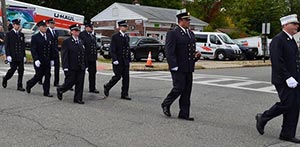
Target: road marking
<point>244,83</point>
<point>235,82</point>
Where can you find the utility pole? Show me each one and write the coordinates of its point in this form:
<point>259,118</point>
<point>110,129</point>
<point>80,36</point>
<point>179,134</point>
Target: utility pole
<point>4,19</point>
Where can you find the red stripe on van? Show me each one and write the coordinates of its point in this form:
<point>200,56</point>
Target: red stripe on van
<point>206,48</point>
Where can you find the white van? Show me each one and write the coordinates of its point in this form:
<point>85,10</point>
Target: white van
<point>256,41</point>
<point>214,45</point>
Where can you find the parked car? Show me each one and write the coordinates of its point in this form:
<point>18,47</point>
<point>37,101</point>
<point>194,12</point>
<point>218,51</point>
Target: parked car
<point>62,35</point>
<point>103,45</point>
<point>248,52</point>
<point>141,46</point>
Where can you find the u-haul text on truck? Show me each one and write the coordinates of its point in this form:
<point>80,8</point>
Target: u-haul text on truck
<point>30,13</point>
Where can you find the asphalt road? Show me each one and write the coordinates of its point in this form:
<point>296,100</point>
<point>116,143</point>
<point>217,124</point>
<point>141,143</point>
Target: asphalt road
<point>224,104</point>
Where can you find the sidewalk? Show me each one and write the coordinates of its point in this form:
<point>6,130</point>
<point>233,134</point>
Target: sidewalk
<point>202,64</point>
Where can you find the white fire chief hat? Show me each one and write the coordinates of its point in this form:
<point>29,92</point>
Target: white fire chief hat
<point>289,19</point>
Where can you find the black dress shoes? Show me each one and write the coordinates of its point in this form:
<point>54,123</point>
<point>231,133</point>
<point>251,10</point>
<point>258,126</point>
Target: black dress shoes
<point>48,95</point>
<point>106,91</point>
<point>79,102</point>
<point>20,89</point>
<point>293,139</point>
<point>94,91</point>
<point>4,83</point>
<point>59,94</point>
<point>186,118</point>
<point>260,124</point>
<point>125,97</point>
<point>166,110</point>
<point>28,90</point>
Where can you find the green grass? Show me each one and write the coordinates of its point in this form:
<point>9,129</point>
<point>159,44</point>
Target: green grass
<point>103,60</point>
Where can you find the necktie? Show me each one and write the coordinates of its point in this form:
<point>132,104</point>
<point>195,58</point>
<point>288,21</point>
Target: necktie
<point>17,33</point>
<point>76,41</point>
<point>44,35</point>
<point>53,33</point>
<point>188,32</point>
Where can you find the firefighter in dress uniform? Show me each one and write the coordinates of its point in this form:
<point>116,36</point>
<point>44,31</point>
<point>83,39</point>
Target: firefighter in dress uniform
<point>54,42</point>
<point>181,57</point>
<point>285,59</point>
<point>42,53</point>
<point>74,65</point>
<point>15,54</point>
<point>119,50</point>
<point>90,44</point>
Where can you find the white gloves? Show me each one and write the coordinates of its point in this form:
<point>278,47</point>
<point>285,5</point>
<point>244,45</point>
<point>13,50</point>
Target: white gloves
<point>8,58</point>
<point>37,63</point>
<point>291,82</point>
<point>65,69</point>
<point>52,62</point>
<point>174,68</point>
<point>116,62</point>
<point>24,59</point>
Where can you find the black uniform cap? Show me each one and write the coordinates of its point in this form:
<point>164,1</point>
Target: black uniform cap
<point>75,27</point>
<point>51,20</point>
<point>89,24</point>
<point>41,23</point>
<point>16,21</point>
<point>123,23</point>
<point>184,15</point>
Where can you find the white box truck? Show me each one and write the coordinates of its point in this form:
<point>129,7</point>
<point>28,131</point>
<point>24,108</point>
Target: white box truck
<point>30,14</point>
<point>256,41</point>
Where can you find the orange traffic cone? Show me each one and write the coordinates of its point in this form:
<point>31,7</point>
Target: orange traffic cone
<point>149,60</point>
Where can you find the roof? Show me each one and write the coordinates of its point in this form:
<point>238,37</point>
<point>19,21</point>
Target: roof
<point>153,14</point>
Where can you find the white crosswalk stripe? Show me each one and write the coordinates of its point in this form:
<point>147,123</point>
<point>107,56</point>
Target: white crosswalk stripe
<point>234,82</point>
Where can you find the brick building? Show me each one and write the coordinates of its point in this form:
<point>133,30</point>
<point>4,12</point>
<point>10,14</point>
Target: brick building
<point>142,20</point>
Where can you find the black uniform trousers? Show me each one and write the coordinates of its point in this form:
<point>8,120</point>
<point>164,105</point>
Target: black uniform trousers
<point>288,106</point>
<point>120,71</point>
<point>56,71</point>
<point>41,71</point>
<point>182,86</point>
<point>92,74</point>
<point>16,65</point>
<point>74,77</point>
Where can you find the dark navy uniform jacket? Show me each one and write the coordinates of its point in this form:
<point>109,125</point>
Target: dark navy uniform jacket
<point>73,55</point>
<point>42,49</point>
<point>15,45</point>
<point>119,48</point>
<point>181,50</point>
<point>54,42</point>
<point>90,44</point>
<point>285,59</point>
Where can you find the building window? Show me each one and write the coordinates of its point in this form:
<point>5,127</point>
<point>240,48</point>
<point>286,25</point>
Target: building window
<point>115,11</point>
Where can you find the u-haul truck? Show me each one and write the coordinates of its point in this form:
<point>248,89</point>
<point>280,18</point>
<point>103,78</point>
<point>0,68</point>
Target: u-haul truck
<point>30,14</point>
<point>34,13</point>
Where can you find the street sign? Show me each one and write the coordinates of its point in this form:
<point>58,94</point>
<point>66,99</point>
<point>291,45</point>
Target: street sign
<point>265,28</point>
